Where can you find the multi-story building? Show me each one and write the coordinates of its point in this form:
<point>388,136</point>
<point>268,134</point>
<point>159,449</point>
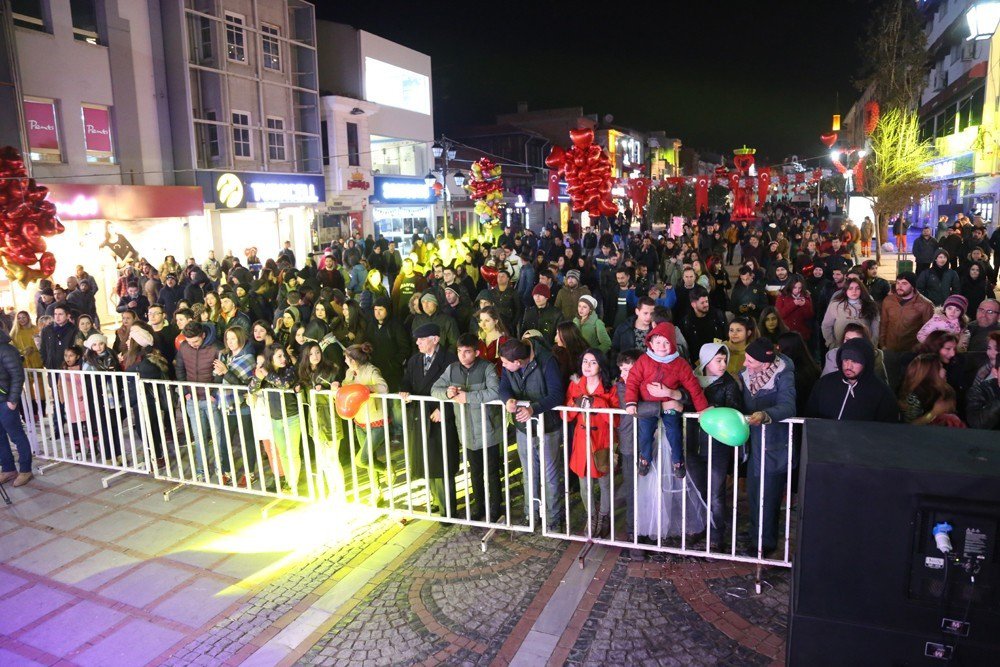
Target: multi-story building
<point>399,128</point>
<point>954,115</point>
<point>243,90</point>
<point>168,127</point>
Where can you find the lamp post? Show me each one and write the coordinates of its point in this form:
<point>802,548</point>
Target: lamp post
<point>983,18</point>
<point>445,148</point>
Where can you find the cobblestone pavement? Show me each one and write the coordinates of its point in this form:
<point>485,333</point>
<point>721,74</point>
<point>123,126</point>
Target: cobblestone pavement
<point>113,577</point>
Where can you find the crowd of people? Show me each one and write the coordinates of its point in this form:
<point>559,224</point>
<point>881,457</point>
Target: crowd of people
<point>779,317</point>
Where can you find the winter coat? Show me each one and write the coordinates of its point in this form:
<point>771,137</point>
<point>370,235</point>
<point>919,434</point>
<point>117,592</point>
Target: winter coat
<point>598,436</point>
<point>481,383</point>
<point>777,400</point>
<point>442,445</point>
<point>748,299</point>
<point>924,250</point>
<point>901,320</point>
<point>141,308</point>
<point>838,315</point>
<point>169,297</point>
<point>391,347</point>
<point>194,365</point>
<point>939,322</point>
<point>567,299</point>
<point>55,340</point>
<point>447,324</point>
<point>938,284</point>
<point>540,383</point>
<point>868,399</point>
<point>11,371</point>
<point>673,374</point>
<point>594,332</point>
<point>797,318</point>
<point>239,319</point>
<point>545,320</point>
<point>624,339</point>
<point>983,404</point>
<point>368,376</point>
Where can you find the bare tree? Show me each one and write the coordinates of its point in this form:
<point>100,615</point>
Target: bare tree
<point>894,54</point>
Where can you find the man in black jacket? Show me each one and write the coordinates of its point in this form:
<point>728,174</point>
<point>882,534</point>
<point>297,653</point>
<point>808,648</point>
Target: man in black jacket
<point>702,324</point>
<point>57,337</point>
<point>11,384</point>
<point>853,393</point>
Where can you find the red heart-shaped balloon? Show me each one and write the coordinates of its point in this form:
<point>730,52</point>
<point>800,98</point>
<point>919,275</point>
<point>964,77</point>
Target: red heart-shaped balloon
<point>47,263</point>
<point>828,139</point>
<point>581,138</point>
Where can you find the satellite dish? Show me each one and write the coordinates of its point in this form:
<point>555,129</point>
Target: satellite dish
<point>608,118</point>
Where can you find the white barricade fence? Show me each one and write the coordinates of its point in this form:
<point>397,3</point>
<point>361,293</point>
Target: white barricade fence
<point>222,436</point>
<point>87,417</point>
<point>733,503</point>
<point>413,461</point>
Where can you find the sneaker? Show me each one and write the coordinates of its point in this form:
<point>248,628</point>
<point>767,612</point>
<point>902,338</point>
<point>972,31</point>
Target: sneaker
<point>226,479</point>
<point>23,478</point>
<point>246,481</point>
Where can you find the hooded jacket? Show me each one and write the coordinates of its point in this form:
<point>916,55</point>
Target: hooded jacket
<point>11,371</point>
<point>196,365</point>
<point>868,399</point>
<point>673,374</point>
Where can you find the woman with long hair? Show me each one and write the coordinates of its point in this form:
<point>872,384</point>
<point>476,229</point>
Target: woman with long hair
<point>319,322</point>
<point>795,307</point>
<point>925,397</point>
<point>770,325</point>
<point>24,336</point>
<point>84,327</point>
<point>975,286</point>
<point>278,373</point>
<point>792,345</point>
<point>590,455</point>
<point>262,336</point>
<point>213,308</point>
<point>742,332</point>
<point>102,405</point>
<point>492,334</point>
<point>369,419</point>
<point>851,304</point>
<point>235,366</point>
<point>319,376</point>
<point>351,330</point>
<point>945,345</point>
<point>992,351</point>
<point>569,347</point>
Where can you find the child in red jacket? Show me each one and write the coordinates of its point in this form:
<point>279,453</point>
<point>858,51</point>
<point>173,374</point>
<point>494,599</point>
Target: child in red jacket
<point>660,369</point>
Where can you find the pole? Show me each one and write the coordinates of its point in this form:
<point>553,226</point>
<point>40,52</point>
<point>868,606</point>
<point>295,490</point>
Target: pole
<point>447,195</point>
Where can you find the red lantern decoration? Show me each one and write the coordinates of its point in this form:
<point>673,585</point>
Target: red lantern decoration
<point>25,217</point>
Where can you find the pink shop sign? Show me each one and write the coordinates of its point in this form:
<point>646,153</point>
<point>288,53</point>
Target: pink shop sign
<point>97,129</point>
<point>40,121</point>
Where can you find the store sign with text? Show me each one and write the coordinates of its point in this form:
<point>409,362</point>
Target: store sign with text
<point>402,190</point>
<point>74,201</point>
<point>97,129</point>
<point>40,122</point>
<point>229,190</point>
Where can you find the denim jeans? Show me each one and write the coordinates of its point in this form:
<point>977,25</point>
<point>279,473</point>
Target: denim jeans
<point>287,442</point>
<point>205,415</point>
<point>647,436</point>
<point>11,430</point>
<point>553,474</point>
<point>238,420</point>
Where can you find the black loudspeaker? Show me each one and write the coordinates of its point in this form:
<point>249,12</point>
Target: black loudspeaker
<point>870,585</point>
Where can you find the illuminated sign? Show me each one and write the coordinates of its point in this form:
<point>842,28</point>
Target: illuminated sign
<point>80,208</point>
<point>358,182</point>
<point>236,190</point>
<point>542,194</point>
<point>402,190</point>
<point>229,189</point>
<point>397,87</point>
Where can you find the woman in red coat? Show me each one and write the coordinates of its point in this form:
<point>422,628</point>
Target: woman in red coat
<point>795,307</point>
<point>492,334</point>
<point>594,389</point>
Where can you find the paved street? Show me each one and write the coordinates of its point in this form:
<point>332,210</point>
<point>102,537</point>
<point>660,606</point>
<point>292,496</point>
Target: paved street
<point>120,577</point>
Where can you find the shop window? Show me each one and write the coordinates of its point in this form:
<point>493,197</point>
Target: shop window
<point>325,140</point>
<point>276,139</point>
<point>84,14</point>
<point>40,121</point>
<point>236,38</point>
<point>30,14</point>
<point>97,134</point>
<point>242,148</point>
<point>353,151</point>
<point>270,46</point>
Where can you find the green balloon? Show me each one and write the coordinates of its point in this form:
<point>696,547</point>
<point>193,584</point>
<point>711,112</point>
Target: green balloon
<point>726,425</point>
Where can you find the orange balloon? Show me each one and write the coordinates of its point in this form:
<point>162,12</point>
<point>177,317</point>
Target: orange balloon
<point>350,398</point>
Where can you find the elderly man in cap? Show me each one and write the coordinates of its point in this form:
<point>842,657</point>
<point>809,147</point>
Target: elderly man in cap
<point>431,314</point>
<point>440,448</point>
<point>768,397</point>
<point>854,392</point>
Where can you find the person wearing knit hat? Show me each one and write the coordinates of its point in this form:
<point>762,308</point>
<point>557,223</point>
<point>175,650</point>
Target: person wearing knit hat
<point>568,297</point>
<point>768,399</point>
<point>428,296</point>
<point>939,282</point>
<point>94,339</point>
<point>541,315</point>
<point>573,274</point>
<point>591,326</point>
<point>141,336</point>
<point>951,318</point>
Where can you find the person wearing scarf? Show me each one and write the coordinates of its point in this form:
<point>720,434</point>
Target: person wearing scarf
<point>768,398</point>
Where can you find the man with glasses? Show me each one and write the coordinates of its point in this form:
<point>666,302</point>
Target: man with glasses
<point>987,321</point>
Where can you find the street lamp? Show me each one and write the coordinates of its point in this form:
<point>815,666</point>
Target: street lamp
<point>429,179</point>
<point>459,179</point>
<point>983,18</point>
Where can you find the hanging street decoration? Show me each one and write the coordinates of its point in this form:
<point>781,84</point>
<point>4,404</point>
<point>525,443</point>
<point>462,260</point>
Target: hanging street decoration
<point>25,218</point>
<point>586,168</point>
<point>486,188</point>
<point>637,191</point>
<point>850,161</point>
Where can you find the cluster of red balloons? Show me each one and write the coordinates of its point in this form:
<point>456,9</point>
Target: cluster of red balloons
<point>25,217</point>
<point>587,170</point>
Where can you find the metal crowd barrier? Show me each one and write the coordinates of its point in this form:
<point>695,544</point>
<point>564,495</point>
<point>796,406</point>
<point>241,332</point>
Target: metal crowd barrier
<point>668,514</point>
<point>85,417</point>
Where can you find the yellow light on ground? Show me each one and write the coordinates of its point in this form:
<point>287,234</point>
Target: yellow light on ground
<point>297,533</point>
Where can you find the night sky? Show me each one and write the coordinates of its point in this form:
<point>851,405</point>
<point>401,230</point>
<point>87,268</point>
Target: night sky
<point>716,75</point>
